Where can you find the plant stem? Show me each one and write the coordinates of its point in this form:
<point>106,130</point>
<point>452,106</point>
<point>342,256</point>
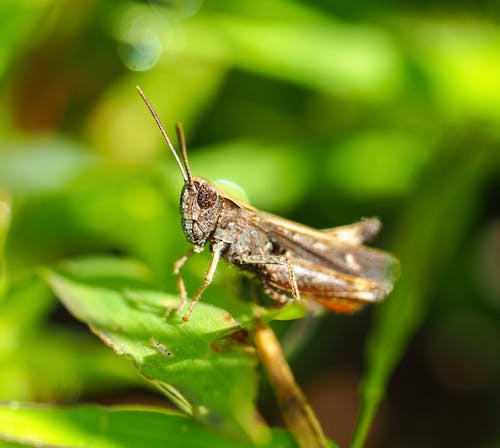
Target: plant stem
<point>296,411</point>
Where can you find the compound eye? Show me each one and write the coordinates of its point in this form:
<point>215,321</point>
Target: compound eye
<point>207,196</point>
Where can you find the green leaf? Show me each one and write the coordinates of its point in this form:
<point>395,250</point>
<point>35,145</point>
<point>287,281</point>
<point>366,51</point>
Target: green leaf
<point>101,427</point>
<point>204,365</point>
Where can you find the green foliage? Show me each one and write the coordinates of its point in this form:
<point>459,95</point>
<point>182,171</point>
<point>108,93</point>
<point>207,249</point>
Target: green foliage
<point>105,427</point>
<point>206,367</point>
<point>398,319</point>
<point>321,112</point>
<point>4,227</point>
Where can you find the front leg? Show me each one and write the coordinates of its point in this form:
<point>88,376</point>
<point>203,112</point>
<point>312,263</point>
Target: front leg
<point>216,249</point>
<point>276,259</point>
<point>180,282</point>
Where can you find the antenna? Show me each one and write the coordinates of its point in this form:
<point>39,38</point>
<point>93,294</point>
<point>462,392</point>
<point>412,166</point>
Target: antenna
<point>182,144</point>
<point>186,177</point>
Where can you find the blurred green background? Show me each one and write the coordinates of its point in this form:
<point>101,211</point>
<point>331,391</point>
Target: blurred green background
<point>323,112</point>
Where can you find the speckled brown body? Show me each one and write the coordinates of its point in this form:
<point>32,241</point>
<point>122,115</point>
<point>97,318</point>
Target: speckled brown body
<point>329,266</point>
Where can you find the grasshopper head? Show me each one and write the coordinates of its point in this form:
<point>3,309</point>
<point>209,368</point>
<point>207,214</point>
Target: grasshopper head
<point>200,200</point>
<point>200,209</point>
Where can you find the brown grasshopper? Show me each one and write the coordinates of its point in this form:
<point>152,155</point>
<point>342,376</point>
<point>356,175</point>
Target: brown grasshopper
<point>329,266</point>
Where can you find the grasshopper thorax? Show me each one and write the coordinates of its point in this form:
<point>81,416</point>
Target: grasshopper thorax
<point>200,209</point>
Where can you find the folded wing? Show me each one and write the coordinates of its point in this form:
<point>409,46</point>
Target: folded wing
<point>338,249</point>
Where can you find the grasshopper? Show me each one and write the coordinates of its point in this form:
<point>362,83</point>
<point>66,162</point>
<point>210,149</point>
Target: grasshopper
<point>330,266</point>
